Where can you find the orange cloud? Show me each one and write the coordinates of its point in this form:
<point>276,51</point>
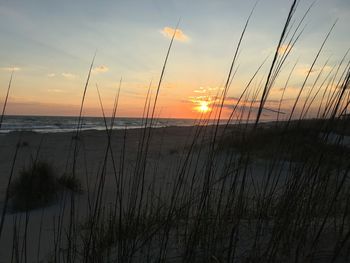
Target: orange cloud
<point>55,90</point>
<point>204,101</point>
<point>303,70</point>
<point>179,35</point>
<point>285,48</point>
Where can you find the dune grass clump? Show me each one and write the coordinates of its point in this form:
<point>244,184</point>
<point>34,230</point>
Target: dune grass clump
<point>298,142</point>
<point>23,144</point>
<point>38,186</point>
<point>35,187</point>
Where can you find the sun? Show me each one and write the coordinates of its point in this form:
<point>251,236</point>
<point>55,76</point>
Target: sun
<point>203,107</point>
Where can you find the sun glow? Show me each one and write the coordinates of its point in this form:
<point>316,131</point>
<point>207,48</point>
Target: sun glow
<point>203,101</point>
<point>203,107</point>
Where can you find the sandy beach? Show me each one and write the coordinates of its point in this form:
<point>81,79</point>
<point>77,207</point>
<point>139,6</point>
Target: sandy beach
<point>176,165</point>
<point>167,150</point>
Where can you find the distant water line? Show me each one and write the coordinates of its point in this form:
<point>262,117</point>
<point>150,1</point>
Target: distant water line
<point>49,124</point>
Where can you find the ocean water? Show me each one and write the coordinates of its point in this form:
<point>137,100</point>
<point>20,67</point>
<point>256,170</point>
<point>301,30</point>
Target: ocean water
<point>45,124</point>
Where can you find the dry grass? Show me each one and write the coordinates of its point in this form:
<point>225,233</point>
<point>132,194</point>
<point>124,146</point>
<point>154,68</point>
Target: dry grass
<point>276,192</point>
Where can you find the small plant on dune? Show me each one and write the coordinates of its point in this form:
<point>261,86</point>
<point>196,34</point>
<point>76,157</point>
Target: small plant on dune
<point>35,187</point>
<point>70,183</point>
<point>38,186</point>
<point>23,144</point>
<point>173,151</point>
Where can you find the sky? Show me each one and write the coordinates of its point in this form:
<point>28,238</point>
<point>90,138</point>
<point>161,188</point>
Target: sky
<point>50,44</point>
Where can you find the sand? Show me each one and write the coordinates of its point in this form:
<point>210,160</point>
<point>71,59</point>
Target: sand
<point>165,154</point>
<point>167,158</point>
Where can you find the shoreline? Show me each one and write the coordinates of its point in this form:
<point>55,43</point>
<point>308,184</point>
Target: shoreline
<point>53,124</point>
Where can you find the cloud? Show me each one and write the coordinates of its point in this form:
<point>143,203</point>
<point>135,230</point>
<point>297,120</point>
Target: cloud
<point>100,69</point>
<point>11,68</point>
<point>51,75</point>
<point>55,90</point>
<point>179,35</point>
<point>68,75</point>
<point>271,106</point>
<point>204,90</point>
<point>284,49</point>
<point>303,70</point>
<point>204,101</point>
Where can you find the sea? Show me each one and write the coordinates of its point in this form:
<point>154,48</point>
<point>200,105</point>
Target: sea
<point>49,124</point>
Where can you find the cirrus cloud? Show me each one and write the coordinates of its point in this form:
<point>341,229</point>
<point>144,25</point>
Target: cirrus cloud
<point>11,68</point>
<point>55,90</point>
<point>68,75</point>
<point>179,34</point>
<point>100,69</point>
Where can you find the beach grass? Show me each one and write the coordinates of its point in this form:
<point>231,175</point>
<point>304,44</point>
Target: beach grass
<point>245,192</point>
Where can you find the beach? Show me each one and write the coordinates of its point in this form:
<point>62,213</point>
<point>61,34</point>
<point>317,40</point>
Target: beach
<point>166,151</point>
<point>128,137</point>
<point>141,171</point>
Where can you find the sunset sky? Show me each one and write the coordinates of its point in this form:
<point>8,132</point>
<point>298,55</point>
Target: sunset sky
<point>50,44</point>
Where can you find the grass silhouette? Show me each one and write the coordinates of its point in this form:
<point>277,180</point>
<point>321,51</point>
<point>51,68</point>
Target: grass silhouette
<point>248,192</point>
